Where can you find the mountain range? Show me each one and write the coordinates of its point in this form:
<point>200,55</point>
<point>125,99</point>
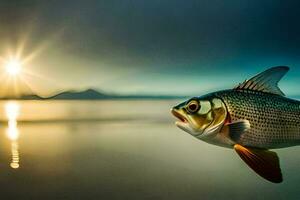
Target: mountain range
<point>89,94</point>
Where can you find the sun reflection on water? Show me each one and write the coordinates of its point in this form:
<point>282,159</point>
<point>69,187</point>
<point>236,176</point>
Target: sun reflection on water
<point>12,110</point>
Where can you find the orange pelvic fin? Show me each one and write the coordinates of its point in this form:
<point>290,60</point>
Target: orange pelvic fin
<point>264,162</point>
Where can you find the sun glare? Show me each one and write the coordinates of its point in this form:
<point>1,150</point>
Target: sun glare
<point>13,67</point>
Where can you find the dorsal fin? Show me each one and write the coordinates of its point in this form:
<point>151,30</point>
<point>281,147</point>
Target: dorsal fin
<point>266,81</point>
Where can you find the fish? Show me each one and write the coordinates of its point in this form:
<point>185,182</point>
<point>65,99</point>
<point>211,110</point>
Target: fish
<point>253,118</point>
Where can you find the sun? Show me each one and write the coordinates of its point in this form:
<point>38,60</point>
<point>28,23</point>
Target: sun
<point>13,67</point>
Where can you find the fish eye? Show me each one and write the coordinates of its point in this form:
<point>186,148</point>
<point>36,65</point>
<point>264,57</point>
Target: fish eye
<point>193,106</point>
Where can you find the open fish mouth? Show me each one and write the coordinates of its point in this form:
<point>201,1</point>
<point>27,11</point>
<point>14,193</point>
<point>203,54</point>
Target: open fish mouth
<point>179,116</point>
<point>182,122</point>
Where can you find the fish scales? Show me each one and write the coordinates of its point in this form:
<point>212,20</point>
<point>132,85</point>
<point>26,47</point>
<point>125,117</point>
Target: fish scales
<point>251,118</point>
<point>274,119</point>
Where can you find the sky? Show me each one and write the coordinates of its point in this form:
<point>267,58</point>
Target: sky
<point>148,47</point>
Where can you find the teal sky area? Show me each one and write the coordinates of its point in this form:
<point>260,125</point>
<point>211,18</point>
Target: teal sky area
<point>148,47</point>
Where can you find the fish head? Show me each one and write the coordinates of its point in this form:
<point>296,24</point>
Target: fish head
<point>201,117</point>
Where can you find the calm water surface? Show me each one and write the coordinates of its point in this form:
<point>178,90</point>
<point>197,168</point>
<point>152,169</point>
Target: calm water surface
<point>122,150</point>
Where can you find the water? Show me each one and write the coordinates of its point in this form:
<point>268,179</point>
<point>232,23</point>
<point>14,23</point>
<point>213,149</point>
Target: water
<point>122,150</point>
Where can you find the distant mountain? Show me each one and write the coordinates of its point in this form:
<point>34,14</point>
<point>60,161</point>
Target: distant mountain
<point>87,94</point>
<point>90,94</point>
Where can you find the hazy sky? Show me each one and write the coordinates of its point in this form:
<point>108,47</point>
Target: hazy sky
<point>151,46</point>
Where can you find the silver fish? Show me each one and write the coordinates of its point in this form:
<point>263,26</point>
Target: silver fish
<point>252,118</point>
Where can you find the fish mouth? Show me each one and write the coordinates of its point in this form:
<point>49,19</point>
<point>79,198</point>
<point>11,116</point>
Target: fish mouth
<point>179,116</point>
<point>182,122</point>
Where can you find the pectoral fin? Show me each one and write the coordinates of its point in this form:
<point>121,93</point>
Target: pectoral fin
<point>237,128</point>
<point>264,162</point>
